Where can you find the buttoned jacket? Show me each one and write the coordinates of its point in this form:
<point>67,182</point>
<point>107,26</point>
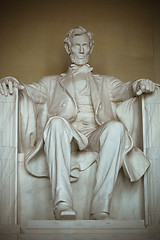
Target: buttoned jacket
<point>55,96</point>
<point>58,93</point>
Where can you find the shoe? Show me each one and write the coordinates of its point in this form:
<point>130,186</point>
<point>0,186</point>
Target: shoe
<point>63,211</point>
<point>101,216</point>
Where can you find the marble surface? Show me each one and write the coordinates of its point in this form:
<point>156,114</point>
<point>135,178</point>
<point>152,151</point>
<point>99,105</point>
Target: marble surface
<point>92,230</point>
<point>68,108</point>
<point>88,225</point>
<point>8,158</point>
<point>151,143</point>
<point>35,194</point>
<point>84,230</point>
<point>31,188</point>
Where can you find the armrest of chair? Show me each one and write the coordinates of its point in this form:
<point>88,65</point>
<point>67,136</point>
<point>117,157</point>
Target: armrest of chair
<point>151,148</point>
<point>8,157</point>
<point>9,119</point>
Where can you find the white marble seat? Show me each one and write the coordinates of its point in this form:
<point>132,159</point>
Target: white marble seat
<point>30,197</point>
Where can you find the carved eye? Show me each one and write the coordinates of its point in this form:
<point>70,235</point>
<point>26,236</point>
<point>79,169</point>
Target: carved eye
<point>76,46</point>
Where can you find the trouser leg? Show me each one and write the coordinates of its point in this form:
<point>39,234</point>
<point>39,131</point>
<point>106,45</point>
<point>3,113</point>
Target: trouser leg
<point>112,143</point>
<point>57,147</point>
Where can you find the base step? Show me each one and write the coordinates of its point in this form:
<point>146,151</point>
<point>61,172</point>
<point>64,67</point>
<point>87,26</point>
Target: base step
<point>80,230</point>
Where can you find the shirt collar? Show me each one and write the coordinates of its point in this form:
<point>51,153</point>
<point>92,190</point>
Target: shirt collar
<point>77,69</point>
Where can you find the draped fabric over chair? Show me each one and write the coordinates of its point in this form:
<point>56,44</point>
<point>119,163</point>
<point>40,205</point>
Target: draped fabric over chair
<point>30,197</point>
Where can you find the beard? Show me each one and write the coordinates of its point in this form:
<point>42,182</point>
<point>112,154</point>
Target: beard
<point>79,61</point>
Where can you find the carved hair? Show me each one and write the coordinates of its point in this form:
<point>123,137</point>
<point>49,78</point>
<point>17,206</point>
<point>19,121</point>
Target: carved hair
<point>78,31</point>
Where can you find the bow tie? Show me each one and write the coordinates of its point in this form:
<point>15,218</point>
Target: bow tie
<point>78,69</point>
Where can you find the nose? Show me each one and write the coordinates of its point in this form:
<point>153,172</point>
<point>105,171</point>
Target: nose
<point>81,50</point>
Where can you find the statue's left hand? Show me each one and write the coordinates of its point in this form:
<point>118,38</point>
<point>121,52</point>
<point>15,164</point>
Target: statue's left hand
<point>144,86</point>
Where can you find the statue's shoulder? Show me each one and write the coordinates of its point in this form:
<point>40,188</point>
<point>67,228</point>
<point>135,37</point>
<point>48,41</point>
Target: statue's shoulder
<point>53,78</point>
<point>49,79</point>
<point>106,78</point>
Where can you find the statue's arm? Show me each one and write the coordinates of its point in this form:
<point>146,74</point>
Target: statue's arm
<point>37,92</point>
<point>121,91</point>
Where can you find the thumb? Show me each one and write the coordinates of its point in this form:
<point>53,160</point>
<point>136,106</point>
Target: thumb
<point>19,86</point>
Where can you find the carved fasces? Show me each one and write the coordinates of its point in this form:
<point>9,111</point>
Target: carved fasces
<point>8,157</point>
<point>151,148</point>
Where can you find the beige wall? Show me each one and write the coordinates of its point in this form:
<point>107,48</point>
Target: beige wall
<point>126,34</point>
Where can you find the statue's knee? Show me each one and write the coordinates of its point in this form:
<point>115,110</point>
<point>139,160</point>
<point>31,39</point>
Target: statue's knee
<point>116,128</point>
<point>56,123</point>
<point>117,125</point>
<point>56,127</point>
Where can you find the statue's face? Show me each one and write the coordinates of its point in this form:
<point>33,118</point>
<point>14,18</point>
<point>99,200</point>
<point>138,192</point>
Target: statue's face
<point>80,49</point>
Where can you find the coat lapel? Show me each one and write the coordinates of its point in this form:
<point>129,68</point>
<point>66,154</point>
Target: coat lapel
<point>95,86</point>
<point>95,82</point>
<point>67,83</point>
<point>100,99</point>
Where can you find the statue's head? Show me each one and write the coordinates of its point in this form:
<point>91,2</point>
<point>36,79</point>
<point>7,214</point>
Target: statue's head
<point>79,45</point>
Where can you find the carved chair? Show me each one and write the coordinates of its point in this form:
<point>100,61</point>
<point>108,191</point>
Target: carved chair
<point>24,197</point>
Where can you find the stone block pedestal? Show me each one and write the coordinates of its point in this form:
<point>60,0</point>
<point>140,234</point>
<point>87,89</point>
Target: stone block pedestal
<point>80,230</point>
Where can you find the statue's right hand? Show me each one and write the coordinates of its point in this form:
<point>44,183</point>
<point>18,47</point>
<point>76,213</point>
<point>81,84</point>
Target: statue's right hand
<point>7,84</point>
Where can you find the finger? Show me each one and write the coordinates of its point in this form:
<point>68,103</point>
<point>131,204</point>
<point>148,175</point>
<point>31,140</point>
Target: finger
<point>10,86</point>
<point>1,90</point>
<point>5,89</point>
<point>153,86</point>
<point>143,85</point>
<point>147,86</point>
<point>142,88</point>
<point>150,87</point>
<point>20,87</point>
<point>12,79</point>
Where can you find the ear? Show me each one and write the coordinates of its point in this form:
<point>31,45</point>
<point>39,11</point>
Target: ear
<point>67,48</point>
<point>91,48</point>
